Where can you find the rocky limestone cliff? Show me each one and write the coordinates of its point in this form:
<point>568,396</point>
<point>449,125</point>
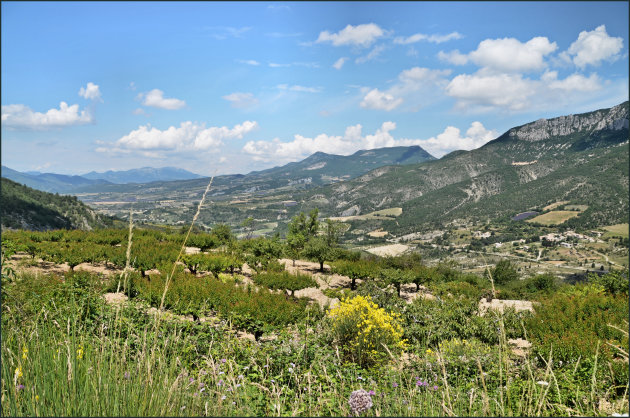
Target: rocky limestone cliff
<point>615,118</point>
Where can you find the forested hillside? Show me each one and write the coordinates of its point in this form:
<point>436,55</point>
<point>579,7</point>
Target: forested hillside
<point>27,208</point>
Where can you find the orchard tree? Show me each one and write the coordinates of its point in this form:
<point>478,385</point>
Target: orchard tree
<point>301,229</point>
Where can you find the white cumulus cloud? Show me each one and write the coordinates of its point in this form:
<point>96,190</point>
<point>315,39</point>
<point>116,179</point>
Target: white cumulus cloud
<point>451,139</point>
<point>353,140</point>
<point>411,86</point>
<point>249,62</point>
<point>22,116</point>
<point>189,136</point>
<point>454,57</point>
<point>155,98</point>
<point>486,91</point>
<point>376,99</point>
<point>361,35</point>
<point>505,55</point>
<point>591,48</point>
<point>511,55</point>
<point>91,92</point>
<point>241,100</point>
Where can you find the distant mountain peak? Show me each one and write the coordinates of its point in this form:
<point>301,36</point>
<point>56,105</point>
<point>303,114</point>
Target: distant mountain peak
<point>615,118</point>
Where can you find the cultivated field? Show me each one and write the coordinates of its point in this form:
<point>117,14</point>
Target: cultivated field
<point>553,217</point>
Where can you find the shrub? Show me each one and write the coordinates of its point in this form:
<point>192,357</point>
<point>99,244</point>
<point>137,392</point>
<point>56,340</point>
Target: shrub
<point>285,281</point>
<point>460,356</point>
<point>573,321</point>
<point>363,330</point>
<point>504,272</point>
<point>615,282</point>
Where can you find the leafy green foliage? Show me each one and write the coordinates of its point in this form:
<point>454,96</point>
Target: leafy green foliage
<point>504,272</point>
<point>285,281</point>
<point>575,322</point>
<point>361,270</point>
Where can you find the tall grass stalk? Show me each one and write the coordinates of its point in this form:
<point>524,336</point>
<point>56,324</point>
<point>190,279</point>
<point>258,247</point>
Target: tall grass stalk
<point>125,273</point>
<point>182,249</point>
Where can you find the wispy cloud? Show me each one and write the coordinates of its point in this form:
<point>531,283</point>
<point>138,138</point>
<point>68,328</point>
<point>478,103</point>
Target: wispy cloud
<point>283,35</point>
<point>293,64</point>
<point>300,88</point>
<point>373,54</point>
<point>224,32</point>
<point>361,35</point>
<point>241,100</point>
<point>436,39</point>
<point>339,63</point>
<point>249,62</point>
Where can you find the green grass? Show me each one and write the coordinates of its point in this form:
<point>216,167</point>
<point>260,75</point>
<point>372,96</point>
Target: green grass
<point>555,217</point>
<point>616,230</point>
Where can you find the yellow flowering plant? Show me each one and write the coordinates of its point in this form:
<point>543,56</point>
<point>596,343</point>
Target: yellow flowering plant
<point>364,331</point>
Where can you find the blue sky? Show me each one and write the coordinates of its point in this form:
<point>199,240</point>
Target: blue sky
<point>232,87</point>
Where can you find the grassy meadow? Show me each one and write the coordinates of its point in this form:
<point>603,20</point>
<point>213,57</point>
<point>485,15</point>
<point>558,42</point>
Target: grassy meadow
<point>154,331</point>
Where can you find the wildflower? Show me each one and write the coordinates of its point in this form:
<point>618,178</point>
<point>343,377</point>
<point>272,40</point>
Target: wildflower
<point>290,369</point>
<point>238,385</point>
<point>429,351</point>
<point>435,387</point>
<point>195,394</point>
<point>246,368</point>
<point>240,376</point>
<point>220,383</point>
<point>223,360</point>
<point>273,381</point>
<point>20,387</point>
<point>191,380</point>
<point>127,375</point>
<point>266,366</point>
<point>24,353</point>
<point>18,373</point>
<point>360,401</point>
<point>36,398</point>
<point>182,408</point>
<point>221,372</point>
<point>360,378</point>
<point>223,397</point>
<point>543,383</point>
<point>394,385</point>
<point>233,403</point>
<point>202,385</point>
<point>80,352</point>
<point>371,393</point>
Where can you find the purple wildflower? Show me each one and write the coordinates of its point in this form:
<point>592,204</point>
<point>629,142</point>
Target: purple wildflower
<point>191,380</point>
<point>220,383</point>
<point>127,376</point>
<point>371,393</point>
<point>223,360</point>
<point>435,387</point>
<point>240,376</point>
<point>20,387</point>
<point>395,385</point>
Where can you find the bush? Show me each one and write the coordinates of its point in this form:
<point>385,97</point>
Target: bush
<point>615,282</point>
<point>362,330</point>
<point>460,359</point>
<point>573,321</point>
<point>504,272</point>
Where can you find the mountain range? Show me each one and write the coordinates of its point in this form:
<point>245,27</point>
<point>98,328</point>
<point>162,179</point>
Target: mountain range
<point>582,159</point>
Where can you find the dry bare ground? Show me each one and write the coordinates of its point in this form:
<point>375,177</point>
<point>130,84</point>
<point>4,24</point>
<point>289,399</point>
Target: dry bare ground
<point>500,305</point>
<point>385,250</point>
